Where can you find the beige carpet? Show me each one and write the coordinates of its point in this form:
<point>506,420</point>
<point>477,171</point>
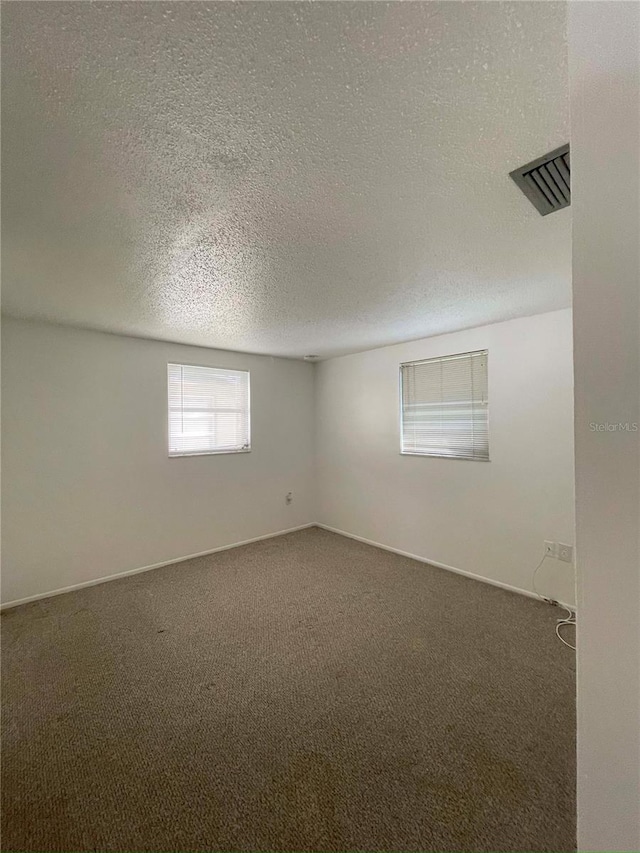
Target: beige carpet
<point>303,693</point>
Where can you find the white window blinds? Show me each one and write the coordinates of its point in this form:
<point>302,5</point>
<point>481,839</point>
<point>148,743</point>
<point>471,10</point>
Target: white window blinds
<point>208,410</point>
<point>445,407</point>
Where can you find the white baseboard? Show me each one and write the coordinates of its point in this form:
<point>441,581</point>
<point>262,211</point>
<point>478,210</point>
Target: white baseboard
<point>435,563</point>
<point>129,572</point>
<point>417,557</point>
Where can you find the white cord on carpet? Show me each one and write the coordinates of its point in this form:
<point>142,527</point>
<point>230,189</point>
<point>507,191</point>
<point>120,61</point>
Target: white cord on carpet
<point>567,620</point>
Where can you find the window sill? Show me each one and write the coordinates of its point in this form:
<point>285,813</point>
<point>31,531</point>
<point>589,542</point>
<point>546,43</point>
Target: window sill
<point>445,456</point>
<point>209,453</point>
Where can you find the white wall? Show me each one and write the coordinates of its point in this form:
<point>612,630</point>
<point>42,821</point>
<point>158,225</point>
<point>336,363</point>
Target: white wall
<point>604,51</point>
<point>88,488</point>
<point>89,491</point>
<point>488,518</point>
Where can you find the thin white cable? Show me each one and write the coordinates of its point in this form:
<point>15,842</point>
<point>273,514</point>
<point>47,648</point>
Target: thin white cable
<point>568,620</point>
<point>559,623</point>
<point>535,572</point>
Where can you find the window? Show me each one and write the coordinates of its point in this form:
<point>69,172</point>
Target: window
<point>208,410</point>
<point>444,404</point>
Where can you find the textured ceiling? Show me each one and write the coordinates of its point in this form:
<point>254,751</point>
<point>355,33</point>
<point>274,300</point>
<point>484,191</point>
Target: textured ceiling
<point>284,178</point>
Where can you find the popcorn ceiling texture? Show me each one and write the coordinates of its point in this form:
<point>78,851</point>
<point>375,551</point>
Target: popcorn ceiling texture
<point>281,178</point>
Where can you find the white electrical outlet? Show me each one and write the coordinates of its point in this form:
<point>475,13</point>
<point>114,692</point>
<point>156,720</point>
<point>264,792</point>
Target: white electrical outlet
<point>288,498</point>
<point>550,549</point>
<point>565,552</point>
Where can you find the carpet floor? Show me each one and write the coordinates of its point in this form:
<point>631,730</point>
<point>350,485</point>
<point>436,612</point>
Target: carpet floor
<point>304,693</point>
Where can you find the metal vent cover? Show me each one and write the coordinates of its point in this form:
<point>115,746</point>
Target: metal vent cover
<point>546,182</point>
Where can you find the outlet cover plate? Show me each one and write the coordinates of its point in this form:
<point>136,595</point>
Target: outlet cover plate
<point>565,552</point>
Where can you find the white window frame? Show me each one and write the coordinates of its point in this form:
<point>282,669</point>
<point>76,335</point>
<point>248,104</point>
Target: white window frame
<point>181,455</point>
<point>417,453</point>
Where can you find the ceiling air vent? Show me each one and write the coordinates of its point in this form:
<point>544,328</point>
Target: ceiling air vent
<point>546,182</point>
